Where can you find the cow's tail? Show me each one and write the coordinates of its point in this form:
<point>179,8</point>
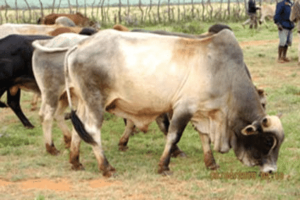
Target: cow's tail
<point>38,44</point>
<point>77,123</point>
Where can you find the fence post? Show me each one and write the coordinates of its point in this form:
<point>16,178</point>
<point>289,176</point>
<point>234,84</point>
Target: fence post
<point>58,7</point>
<point>70,6</point>
<point>158,15</point>
<point>53,5</point>
<point>119,13</point>
<point>142,11</point>
<point>16,9</point>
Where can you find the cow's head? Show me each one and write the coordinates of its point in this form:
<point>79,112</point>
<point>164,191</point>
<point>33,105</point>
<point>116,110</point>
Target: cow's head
<point>259,143</point>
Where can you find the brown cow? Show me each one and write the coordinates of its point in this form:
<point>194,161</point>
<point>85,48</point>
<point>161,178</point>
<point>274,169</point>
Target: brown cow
<point>77,18</point>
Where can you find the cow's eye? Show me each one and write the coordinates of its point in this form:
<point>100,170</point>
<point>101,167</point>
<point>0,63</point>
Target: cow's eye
<point>269,141</point>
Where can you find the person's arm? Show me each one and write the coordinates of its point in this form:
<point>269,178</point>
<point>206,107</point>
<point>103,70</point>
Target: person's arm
<point>278,11</point>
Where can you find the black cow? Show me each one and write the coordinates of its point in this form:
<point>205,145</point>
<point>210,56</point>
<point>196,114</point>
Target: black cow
<point>16,71</point>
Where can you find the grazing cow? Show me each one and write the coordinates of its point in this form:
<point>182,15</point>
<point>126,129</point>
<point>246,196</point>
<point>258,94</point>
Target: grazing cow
<point>77,18</point>
<point>16,71</point>
<point>139,76</point>
<point>163,122</point>
<point>266,11</point>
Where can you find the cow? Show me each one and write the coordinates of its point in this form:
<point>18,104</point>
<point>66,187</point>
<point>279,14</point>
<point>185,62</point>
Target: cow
<point>64,21</point>
<point>77,18</point>
<point>295,17</point>
<point>79,30</point>
<point>139,76</point>
<point>26,29</point>
<point>266,11</point>
<point>163,122</point>
<point>16,71</point>
<point>48,69</point>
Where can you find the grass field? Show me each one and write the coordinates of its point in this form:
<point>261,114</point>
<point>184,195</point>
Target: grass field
<point>28,172</point>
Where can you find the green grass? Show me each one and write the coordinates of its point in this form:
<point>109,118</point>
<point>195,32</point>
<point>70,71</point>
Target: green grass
<point>23,155</point>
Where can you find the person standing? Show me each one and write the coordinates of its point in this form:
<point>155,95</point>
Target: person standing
<point>252,14</point>
<point>285,27</point>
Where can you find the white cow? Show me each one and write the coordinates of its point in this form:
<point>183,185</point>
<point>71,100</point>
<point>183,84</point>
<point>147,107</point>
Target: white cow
<point>139,76</point>
<point>266,11</point>
<point>47,66</point>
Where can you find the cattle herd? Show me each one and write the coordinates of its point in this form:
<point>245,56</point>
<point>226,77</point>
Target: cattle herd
<point>141,76</point>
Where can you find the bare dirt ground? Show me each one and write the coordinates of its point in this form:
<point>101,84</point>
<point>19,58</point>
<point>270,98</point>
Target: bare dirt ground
<point>65,187</point>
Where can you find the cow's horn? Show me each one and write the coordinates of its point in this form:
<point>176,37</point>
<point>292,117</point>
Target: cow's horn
<point>279,115</point>
<point>266,122</point>
<point>249,130</point>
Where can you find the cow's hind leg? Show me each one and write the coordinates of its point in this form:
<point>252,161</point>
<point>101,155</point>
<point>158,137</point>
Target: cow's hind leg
<point>59,116</point>
<point>163,123</point>
<point>46,115</point>
<point>88,124</point>
<point>13,100</point>
<point>74,151</point>
<point>178,123</point>
<point>34,101</point>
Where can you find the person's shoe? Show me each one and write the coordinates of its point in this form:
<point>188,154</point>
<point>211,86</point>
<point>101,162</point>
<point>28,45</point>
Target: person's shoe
<point>280,60</point>
<point>286,59</point>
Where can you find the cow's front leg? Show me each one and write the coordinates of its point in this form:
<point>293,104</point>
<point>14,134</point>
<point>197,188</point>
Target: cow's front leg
<point>125,137</point>
<point>13,101</point>
<point>59,116</point>
<point>177,126</point>
<point>209,159</point>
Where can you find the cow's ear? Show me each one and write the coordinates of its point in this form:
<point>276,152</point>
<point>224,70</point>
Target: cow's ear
<point>266,122</point>
<point>249,130</point>
<point>260,91</point>
<point>279,115</point>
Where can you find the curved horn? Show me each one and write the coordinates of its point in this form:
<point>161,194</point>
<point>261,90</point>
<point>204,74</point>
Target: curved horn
<point>266,122</point>
<point>249,130</point>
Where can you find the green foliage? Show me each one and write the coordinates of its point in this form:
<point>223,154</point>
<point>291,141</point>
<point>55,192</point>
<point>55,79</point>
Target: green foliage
<point>193,27</point>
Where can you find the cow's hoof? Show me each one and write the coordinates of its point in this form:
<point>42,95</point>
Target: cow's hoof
<point>109,172</point>
<point>67,141</point>
<point>123,148</point>
<point>164,170</point>
<point>166,173</point>
<point>67,116</point>
<point>52,150</point>
<point>179,154</point>
<point>29,126</point>
<point>77,167</point>
<point>213,167</point>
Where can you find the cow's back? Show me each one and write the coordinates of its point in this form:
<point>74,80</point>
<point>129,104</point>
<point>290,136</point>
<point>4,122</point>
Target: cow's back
<point>159,70</point>
<point>77,18</point>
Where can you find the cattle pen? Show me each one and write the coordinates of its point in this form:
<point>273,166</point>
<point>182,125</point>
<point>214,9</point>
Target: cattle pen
<point>129,12</point>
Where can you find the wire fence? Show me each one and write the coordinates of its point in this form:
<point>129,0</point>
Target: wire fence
<point>132,14</point>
